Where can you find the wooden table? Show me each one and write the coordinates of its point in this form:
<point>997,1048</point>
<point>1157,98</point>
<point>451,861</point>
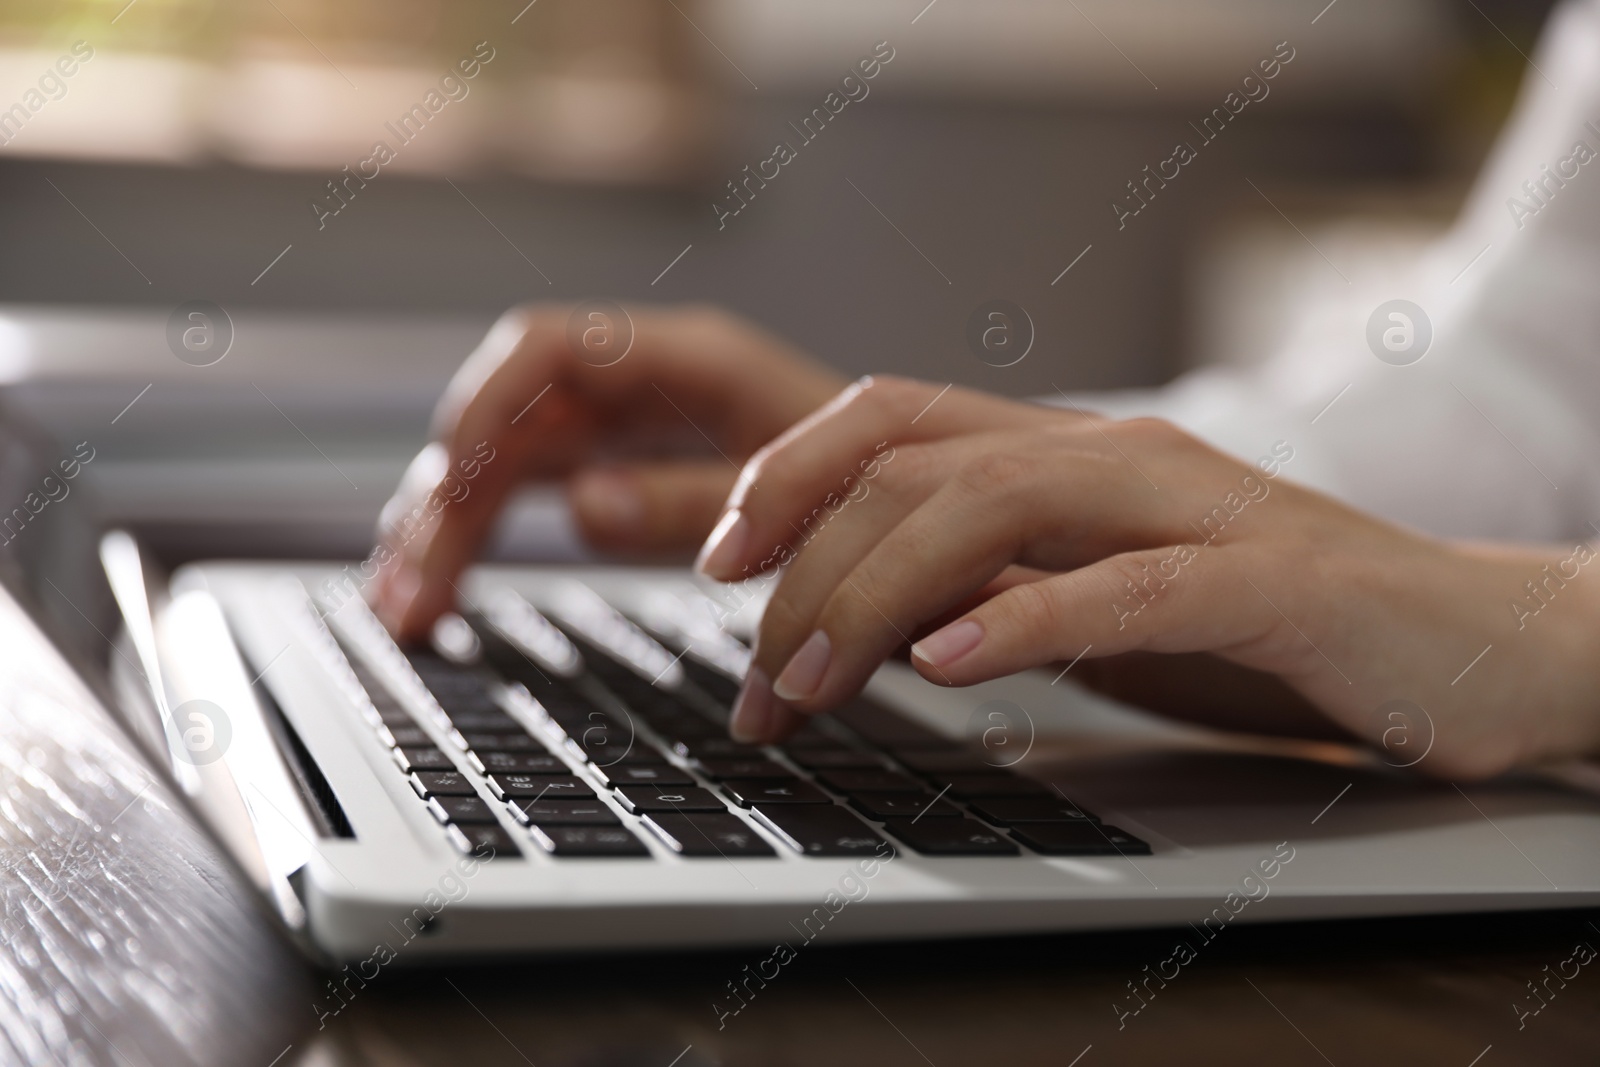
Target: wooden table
<point>128,940</point>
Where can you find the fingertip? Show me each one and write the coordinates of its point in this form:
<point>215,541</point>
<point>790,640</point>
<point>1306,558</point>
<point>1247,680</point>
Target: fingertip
<point>720,556</point>
<point>609,506</point>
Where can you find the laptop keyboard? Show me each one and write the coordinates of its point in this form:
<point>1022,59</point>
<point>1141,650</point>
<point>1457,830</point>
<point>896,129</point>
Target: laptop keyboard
<point>613,741</point>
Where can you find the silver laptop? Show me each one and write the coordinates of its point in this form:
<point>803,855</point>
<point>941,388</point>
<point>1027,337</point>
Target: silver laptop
<point>553,773</point>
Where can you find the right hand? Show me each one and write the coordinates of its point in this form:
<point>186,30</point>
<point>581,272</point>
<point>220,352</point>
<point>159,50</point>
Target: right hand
<point>693,374</point>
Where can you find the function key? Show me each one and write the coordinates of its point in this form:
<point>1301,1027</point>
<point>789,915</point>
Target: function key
<point>761,767</point>
<point>495,722</point>
<point>638,755</point>
<point>888,728</point>
<point>540,785</point>
<point>835,759</point>
<point>567,840</point>
<point>393,716</point>
<point>426,758</point>
<point>719,746</point>
<point>976,786</point>
<point>657,774</point>
<point>442,784</point>
<point>523,763</point>
<point>881,806</point>
<point>461,809</point>
<point>666,798</point>
<point>871,782</point>
<point>942,761</point>
<point>748,792</point>
<point>1078,839</point>
<point>819,831</point>
<point>563,812</point>
<point>506,742</point>
<point>951,837</point>
<point>412,736</point>
<point>483,840</point>
<point>1006,812</point>
<point>709,834</point>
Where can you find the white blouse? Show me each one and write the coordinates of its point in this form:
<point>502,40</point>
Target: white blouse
<point>1495,431</point>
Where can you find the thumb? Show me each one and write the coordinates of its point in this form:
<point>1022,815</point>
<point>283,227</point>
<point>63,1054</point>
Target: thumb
<point>664,508</point>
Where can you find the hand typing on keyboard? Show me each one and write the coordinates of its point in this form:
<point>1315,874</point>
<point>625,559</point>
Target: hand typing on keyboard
<point>553,400</point>
<point>1008,535</point>
<point>1002,535</point>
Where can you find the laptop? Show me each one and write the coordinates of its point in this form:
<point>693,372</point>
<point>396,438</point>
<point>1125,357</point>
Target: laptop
<point>552,773</point>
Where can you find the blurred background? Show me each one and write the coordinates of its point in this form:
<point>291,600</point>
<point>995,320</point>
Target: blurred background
<point>203,150</point>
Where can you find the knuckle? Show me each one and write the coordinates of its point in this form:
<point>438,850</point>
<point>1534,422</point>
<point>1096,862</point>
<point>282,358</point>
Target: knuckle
<point>891,394</point>
<point>1148,428</point>
<point>1001,471</point>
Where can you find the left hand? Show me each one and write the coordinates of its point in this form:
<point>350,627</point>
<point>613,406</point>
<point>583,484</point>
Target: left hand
<point>1053,534</point>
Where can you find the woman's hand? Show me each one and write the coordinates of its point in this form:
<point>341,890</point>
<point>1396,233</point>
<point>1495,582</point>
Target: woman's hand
<point>545,398</point>
<point>1053,535</point>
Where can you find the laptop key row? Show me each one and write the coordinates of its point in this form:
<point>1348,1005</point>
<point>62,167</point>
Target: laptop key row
<point>920,787</point>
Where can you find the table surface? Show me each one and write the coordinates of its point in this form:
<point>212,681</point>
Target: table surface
<point>128,940</point>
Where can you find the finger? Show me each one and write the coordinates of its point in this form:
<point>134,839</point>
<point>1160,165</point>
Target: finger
<point>428,531</point>
<point>830,544</point>
<point>844,443</point>
<point>949,546</point>
<point>649,509</point>
<point>528,398</point>
<point>1188,599</point>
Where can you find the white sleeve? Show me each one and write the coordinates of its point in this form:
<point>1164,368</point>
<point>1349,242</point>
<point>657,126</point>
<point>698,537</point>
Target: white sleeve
<point>1495,432</point>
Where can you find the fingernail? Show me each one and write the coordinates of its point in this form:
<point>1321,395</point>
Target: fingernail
<point>609,500</point>
<point>753,711</point>
<point>949,644</point>
<point>725,546</point>
<point>803,676</point>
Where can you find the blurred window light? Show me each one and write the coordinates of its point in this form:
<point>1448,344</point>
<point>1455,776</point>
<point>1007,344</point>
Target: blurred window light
<point>1119,51</point>
<point>594,90</point>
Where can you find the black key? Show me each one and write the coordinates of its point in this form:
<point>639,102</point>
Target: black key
<point>709,834</point>
<point>442,784</point>
<point>540,785</point>
<point>881,726</point>
<point>721,767</point>
<point>951,837</point>
<point>942,761</point>
<point>683,726</point>
<point>990,785</point>
<point>410,736</point>
<point>812,735</point>
<point>565,840</point>
<point>657,774</point>
<point>523,763</point>
<point>749,791</point>
<point>871,782</point>
<point>393,717</point>
<point>496,722</point>
<point>423,759</point>
<point>481,743</point>
<point>667,798</point>
<point>483,840</point>
<point>817,831</point>
<point>462,809</point>
<point>564,812</point>
<point>718,746</point>
<point>1007,812</point>
<point>1078,839</point>
<point>835,759</point>
<point>881,806</point>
